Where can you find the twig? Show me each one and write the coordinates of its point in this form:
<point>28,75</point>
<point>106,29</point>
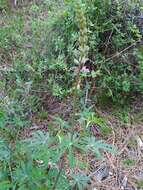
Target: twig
<point>124,50</point>
<point>110,160</point>
<point>126,143</point>
<point>86,95</point>
<point>108,41</point>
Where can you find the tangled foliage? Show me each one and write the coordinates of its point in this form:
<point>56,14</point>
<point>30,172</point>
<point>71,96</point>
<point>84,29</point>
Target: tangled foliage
<point>114,46</point>
<point>43,49</point>
<point>58,47</point>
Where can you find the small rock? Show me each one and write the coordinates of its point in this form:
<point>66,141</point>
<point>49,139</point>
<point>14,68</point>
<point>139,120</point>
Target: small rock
<point>132,154</point>
<point>124,182</point>
<point>40,163</point>
<point>28,45</point>
<point>139,175</point>
<point>101,173</point>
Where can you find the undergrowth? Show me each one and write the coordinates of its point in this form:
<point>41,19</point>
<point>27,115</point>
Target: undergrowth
<point>83,51</point>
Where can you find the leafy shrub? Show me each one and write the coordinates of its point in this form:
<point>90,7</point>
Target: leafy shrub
<point>44,50</point>
<point>110,32</point>
<point>79,48</point>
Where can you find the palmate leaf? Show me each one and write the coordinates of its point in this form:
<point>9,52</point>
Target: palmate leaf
<point>79,180</point>
<point>4,185</point>
<point>37,147</point>
<point>38,138</point>
<point>3,118</point>
<point>71,158</point>
<point>68,143</point>
<point>4,150</point>
<point>61,123</point>
<point>91,144</point>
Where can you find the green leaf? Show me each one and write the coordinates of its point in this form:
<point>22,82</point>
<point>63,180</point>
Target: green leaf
<point>91,144</point>
<point>5,185</point>
<point>79,180</point>
<point>71,158</point>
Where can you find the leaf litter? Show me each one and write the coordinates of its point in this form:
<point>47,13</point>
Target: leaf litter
<point>121,171</point>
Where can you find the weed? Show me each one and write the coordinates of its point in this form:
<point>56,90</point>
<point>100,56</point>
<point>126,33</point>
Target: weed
<point>129,162</point>
<point>83,50</point>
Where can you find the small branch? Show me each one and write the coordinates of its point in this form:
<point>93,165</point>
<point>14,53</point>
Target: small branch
<point>124,50</point>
